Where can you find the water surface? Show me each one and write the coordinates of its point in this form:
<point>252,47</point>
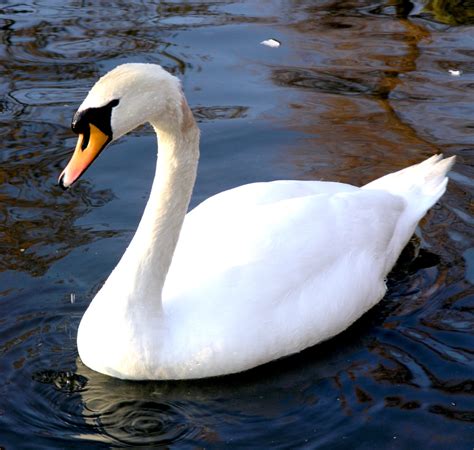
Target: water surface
<point>356,90</point>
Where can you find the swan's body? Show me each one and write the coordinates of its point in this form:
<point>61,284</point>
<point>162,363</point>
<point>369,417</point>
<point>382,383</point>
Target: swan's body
<point>259,272</point>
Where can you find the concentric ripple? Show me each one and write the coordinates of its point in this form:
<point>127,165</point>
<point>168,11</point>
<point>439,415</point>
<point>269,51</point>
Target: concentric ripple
<point>146,422</point>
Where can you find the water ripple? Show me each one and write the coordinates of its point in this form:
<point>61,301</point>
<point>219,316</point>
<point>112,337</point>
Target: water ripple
<point>146,422</point>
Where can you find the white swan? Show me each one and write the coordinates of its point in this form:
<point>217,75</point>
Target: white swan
<point>250,275</point>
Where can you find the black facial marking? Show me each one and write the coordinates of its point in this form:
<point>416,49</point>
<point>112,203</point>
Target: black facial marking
<point>100,117</point>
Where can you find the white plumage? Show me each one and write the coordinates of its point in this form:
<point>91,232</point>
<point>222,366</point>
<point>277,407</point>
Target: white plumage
<point>259,272</point>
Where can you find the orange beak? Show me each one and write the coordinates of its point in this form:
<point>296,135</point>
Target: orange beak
<point>83,157</point>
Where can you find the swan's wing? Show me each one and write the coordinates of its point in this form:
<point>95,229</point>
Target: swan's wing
<point>262,280</point>
<point>286,232</point>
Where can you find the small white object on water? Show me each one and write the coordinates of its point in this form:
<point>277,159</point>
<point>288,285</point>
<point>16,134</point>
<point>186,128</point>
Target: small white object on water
<point>273,43</point>
<point>73,298</point>
<point>455,73</point>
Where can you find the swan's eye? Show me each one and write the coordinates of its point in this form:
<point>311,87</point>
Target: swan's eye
<point>100,117</point>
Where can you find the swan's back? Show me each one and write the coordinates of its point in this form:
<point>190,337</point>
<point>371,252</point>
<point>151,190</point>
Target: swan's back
<point>279,279</point>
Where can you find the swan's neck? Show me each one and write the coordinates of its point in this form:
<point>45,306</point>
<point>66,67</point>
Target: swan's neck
<point>149,255</point>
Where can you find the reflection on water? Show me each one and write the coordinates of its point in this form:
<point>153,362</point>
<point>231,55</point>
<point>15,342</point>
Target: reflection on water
<point>356,90</point>
<point>451,12</point>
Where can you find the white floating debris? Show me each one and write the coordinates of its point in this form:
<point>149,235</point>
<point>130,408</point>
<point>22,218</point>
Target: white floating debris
<point>273,43</point>
<point>22,250</point>
<point>455,73</point>
<point>73,297</point>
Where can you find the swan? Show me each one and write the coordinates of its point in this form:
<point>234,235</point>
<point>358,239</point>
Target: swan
<point>250,275</point>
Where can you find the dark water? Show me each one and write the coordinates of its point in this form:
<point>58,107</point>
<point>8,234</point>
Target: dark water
<point>356,90</point>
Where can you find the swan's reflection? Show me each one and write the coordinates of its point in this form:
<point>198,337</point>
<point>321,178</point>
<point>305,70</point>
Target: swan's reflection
<point>161,413</point>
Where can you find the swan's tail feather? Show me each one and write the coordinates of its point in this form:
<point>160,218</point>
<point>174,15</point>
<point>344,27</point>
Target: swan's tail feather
<point>422,184</point>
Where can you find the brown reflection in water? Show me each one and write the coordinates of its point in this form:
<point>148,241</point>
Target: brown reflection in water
<point>395,401</point>
<point>451,12</point>
<point>342,101</point>
<point>451,413</point>
<point>396,372</point>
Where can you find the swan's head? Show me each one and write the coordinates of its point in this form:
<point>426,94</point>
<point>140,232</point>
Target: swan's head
<point>123,99</point>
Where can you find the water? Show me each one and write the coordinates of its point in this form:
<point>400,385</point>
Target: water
<point>357,89</point>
